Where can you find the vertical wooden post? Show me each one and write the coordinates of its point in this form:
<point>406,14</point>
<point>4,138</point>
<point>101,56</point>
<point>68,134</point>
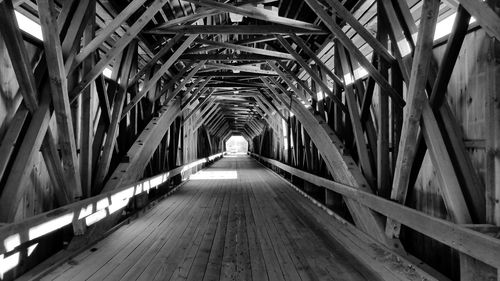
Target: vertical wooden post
<point>383,164</point>
<point>87,111</point>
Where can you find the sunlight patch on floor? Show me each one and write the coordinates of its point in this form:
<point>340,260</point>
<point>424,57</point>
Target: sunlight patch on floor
<point>214,175</point>
<point>236,154</point>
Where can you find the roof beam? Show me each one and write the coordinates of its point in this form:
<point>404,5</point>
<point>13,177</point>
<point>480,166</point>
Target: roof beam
<point>227,57</point>
<point>201,13</point>
<point>484,15</point>
<point>340,11</point>
<point>235,29</point>
<point>252,50</point>
<point>117,48</point>
<point>156,58</point>
<point>249,69</point>
<point>355,52</point>
<point>254,12</point>
<point>156,77</point>
<point>105,33</point>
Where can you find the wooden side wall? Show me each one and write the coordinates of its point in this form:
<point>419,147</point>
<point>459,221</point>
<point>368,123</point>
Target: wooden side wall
<point>473,97</point>
<point>471,90</point>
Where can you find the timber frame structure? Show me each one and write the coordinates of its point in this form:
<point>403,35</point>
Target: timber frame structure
<point>355,101</point>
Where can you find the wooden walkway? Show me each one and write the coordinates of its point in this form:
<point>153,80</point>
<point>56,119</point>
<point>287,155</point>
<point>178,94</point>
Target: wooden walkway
<point>239,221</point>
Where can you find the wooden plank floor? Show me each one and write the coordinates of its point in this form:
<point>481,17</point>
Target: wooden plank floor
<point>252,227</point>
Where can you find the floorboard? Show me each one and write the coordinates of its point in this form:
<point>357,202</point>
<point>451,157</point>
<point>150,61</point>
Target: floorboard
<point>251,227</point>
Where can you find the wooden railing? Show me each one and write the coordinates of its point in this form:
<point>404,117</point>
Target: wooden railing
<point>473,243</point>
<point>87,211</point>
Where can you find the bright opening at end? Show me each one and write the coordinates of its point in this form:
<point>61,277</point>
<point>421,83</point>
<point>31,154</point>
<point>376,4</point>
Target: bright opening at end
<point>214,175</point>
<point>236,145</point>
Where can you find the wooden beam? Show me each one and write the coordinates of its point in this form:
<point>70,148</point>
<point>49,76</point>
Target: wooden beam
<point>254,12</point>
<point>204,116</point>
<point>278,55</point>
<point>315,58</point>
<point>449,184</point>
<point>303,84</point>
<point>175,79</point>
<point>116,113</point>
<point>254,40</point>
<point>226,57</point>
<point>17,52</point>
<point>249,69</point>
<point>28,88</point>
<point>200,13</point>
<point>308,69</point>
<point>263,100</point>
<point>156,77</point>
<point>352,105</point>
<point>119,46</point>
<point>340,11</point>
<point>341,166</point>
<point>155,59</point>
<point>484,15</point>
<point>87,125</point>
<point>19,173</point>
<point>294,89</point>
<point>60,99</point>
<point>197,107</point>
<point>235,29</point>
<point>355,52</point>
<point>106,33</point>
<point>384,177</point>
<point>417,99</point>
<point>200,91</point>
<point>186,80</point>
<point>11,137</point>
<point>232,74</point>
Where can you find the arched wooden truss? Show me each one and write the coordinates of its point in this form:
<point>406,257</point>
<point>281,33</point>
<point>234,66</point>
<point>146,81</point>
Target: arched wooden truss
<point>388,149</point>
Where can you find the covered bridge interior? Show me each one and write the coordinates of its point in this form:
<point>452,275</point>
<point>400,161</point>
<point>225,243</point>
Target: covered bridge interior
<point>372,130</point>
